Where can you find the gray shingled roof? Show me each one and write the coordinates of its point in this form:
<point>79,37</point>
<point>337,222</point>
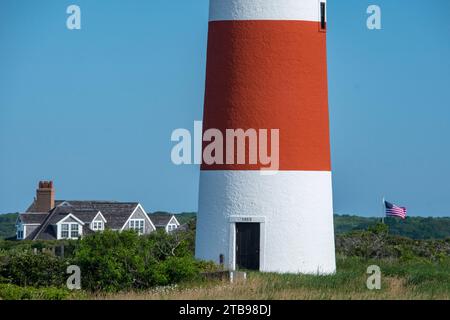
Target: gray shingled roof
<point>85,215</point>
<point>33,218</point>
<point>160,219</point>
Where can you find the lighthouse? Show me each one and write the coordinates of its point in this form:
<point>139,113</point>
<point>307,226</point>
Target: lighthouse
<point>267,69</point>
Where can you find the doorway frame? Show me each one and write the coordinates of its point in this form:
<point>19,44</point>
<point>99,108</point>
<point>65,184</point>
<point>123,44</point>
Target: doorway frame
<point>262,239</point>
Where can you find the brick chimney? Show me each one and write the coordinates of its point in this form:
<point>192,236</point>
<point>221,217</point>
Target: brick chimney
<point>45,196</point>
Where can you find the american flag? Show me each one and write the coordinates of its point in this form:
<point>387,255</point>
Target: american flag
<point>394,211</point>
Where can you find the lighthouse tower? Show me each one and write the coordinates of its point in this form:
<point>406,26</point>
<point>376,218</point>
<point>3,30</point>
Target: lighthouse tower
<point>267,69</point>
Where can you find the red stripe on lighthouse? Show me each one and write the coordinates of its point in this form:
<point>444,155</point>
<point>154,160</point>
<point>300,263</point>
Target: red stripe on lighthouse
<point>270,75</point>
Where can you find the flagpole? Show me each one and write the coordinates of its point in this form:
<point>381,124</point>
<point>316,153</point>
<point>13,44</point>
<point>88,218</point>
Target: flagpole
<point>383,210</point>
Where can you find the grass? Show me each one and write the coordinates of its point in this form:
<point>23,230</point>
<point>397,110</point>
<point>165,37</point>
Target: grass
<point>405,280</point>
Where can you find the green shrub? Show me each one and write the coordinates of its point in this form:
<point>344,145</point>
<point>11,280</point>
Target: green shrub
<point>25,268</point>
<point>376,243</point>
<point>113,261</point>
<point>13,292</point>
<point>180,269</point>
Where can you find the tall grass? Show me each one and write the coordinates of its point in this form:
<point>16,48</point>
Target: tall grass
<point>413,279</point>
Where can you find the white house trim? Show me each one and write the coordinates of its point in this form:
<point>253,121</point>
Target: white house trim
<point>172,221</point>
<point>176,221</point>
<point>145,214</point>
<point>101,216</point>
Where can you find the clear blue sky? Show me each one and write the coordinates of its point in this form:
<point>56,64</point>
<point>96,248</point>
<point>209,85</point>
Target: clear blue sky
<point>94,109</point>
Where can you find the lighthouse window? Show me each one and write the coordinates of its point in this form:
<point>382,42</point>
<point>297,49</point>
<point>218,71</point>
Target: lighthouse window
<point>323,23</point>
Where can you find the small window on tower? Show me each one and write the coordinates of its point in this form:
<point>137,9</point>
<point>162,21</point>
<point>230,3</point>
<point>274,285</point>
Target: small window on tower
<point>323,22</point>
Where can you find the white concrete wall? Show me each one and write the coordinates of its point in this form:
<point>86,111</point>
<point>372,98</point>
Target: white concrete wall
<point>297,208</point>
<point>302,10</point>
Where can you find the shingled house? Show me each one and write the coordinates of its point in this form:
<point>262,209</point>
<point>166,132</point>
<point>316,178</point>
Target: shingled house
<point>165,221</point>
<point>50,219</point>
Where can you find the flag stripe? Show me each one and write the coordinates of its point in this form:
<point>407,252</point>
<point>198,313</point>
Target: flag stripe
<point>395,211</point>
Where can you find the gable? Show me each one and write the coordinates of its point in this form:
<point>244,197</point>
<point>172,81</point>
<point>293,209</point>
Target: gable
<point>70,218</point>
<point>99,217</point>
<point>174,220</point>
<point>139,213</point>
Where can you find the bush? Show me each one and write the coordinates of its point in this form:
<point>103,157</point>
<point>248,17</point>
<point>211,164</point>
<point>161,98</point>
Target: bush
<point>109,261</point>
<point>25,268</point>
<point>377,243</point>
<point>113,261</point>
<point>13,292</point>
<point>180,269</point>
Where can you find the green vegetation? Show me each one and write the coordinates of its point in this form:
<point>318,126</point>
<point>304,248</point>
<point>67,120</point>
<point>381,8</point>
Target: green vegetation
<point>162,266</point>
<point>109,261</point>
<point>8,225</point>
<point>411,227</point>
<point>113,261</point>
<point>14,292</point>
<point>415,279</point>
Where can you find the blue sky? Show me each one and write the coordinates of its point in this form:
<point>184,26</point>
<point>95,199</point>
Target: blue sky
<point>94,109</point>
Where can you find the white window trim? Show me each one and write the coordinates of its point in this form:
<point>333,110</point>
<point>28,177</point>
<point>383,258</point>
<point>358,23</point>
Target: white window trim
<point>61,222</point>
<point>70,224</point>
<point>95,220</point>
<point>171,227</point>
<point>134,223</point>
<point>95,224</point>
<point>20,228</point>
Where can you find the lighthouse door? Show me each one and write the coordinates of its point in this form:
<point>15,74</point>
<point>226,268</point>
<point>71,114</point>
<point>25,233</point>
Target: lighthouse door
<point>247,245</point>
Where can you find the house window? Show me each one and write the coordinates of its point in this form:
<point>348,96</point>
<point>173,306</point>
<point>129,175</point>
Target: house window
<point>171,227</point>
<point>137,225</point>
<point>70,231</point>
<point>97,225</point>
<point>74,231</point>
<point>20,234</point>
<point>65,230</point>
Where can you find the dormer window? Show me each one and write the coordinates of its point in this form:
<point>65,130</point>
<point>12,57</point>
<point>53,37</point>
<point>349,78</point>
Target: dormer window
<point>65,230</point>
<point>70,230</point>
<point>74,230</point>
<point>98,226</point>
<point>171,227</point>
<point>137,225</point>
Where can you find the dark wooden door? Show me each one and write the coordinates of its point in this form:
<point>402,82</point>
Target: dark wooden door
<point>247,245</point>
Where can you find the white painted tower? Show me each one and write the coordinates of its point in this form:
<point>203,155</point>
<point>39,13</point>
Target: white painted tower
<point>266,69</point>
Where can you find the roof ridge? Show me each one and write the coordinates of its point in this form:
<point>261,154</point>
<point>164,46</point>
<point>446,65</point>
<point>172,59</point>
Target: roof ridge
<point>44,223</point>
